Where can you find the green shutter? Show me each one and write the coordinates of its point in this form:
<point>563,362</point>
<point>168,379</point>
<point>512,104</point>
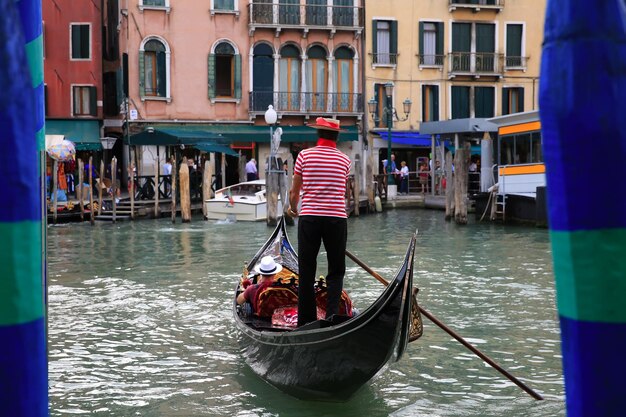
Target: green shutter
<point>374,38</point>
<point>435,90</point>
<point>439,45</point>
<point>211,73</point>
<point>514,40</point>
<point>237,76</point>
<point>142,74</point>
<point>485,37</point>
<point>520,96</point>
<point>461,37</point>
<point>377,98</point>
<point>460,102</point>
<point>505,100</point>
<point>93,101</point>
<point>483,101</point>
<point>421,41</point>
<point>161,75</point>
<point>393,42</point>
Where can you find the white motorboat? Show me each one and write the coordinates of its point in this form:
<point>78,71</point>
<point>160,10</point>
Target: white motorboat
<point>240,202</point>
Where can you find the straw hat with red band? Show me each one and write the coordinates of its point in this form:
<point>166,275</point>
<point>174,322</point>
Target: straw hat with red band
<point>323,123</point>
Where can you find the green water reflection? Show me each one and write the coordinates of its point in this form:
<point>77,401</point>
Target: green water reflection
<point>140,320</point>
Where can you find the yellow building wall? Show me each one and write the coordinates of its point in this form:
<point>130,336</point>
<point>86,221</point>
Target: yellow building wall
<point>407,75</point>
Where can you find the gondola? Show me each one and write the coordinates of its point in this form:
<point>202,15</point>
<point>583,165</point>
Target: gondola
<point>328,359</point>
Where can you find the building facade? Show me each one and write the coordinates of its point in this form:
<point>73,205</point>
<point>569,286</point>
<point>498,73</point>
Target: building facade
<point>211,69</point>
<point>73,71</point>
<point>454,59</point>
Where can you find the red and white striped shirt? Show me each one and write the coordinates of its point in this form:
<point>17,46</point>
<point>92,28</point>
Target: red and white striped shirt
<point>324,170</point>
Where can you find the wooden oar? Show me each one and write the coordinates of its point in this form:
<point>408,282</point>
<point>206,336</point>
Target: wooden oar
<point>454,334</point>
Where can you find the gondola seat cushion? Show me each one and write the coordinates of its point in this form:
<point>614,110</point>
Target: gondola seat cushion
<point>274,297</point>
<point>345,304</point>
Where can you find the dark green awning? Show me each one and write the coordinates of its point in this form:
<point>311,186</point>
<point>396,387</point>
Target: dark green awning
<point>261,134</point>
<point>84,133</point>
<point>225,134</point>
<point>169,136</point>
<point>213,147</point>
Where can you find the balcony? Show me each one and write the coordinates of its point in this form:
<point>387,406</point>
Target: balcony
<point>307,103</point>
<point>475,64</point>
<point>476,5</point>
<point>282,16</point>
<point>430,61</point>
<point>515,63</point>
<point>384,59</point>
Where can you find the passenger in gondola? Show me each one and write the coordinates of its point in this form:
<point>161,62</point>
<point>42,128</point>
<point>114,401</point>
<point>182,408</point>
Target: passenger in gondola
<point>267,270</point>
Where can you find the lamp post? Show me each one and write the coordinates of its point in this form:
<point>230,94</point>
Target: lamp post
<point>389,112</point>
<point>271,180</point>
<point>107,144</point>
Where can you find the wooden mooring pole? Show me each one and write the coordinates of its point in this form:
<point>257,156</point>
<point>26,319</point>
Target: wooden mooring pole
<point>185,198</point>
<point>81,188</point>
<point>55,181</point>
<point>206,186</point>
<point>449,187</point>
<point>100,185</point>
<point>114,187</point>
<point>157,213</point>
<point>91,214</point>
<point>461,165</point>
<point>173,189</point>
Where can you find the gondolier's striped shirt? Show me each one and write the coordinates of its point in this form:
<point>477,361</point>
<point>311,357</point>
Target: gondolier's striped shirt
<point>324,171</point>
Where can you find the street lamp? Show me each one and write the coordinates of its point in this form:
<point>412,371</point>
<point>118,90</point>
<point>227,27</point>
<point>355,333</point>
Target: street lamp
<point>107,144</point>
<point>389,112</point>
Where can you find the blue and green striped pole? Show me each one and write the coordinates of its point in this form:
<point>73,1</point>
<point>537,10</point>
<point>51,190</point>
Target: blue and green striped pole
<point>583,105</point>
<point>23,366</point>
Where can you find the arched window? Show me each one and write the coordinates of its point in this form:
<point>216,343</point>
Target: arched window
<point>224,72</point>
<point>153,69</point>
<point>262,77</point>
<point>316,78</point>
<point>343,77</point>
<point>289,75</point>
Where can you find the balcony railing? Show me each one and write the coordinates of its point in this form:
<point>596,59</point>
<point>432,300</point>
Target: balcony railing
<point>515,62</point>
<point>318,103</point>
<point>475,63</point>
<point>384,58</point>
<point>431,60</point>
<point>264,13</point>
<point>477,5</point>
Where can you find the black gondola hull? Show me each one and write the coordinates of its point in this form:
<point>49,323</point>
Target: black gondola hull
<point>333,362</point>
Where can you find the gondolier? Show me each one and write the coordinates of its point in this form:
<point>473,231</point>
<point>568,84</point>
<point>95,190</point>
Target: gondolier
<point>321,173</point>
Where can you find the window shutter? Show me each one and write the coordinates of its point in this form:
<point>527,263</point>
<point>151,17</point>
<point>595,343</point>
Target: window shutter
<point>211,73</point>
<point>520,96</point>
<point>435,90</point>
<point>439,45</point>
<point>506,95</point>
<point>75,42</point>
<point>374,38</point>
<point>93,103</point>
<point>460,102</point>
<point>161,75</point>
<point>514,40</point>
<point>237,76</point>
<point>377,98</point>
<point>393,41</point>
<point>483,101</point>
<point>421,41</point>
<point>142,74</point>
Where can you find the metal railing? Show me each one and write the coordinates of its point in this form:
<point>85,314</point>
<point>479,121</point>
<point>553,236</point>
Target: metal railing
<point>475,63</point>
<point>476,3</point>
<point>431,60</point>
<point>384,58</point>
<point>306,102</point>
<point>268,14</point>
<point>515,61</point>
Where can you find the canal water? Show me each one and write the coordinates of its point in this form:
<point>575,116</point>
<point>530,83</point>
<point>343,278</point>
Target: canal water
<point>140,320</point>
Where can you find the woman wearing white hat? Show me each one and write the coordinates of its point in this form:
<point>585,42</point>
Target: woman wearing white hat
<point>267,269</point>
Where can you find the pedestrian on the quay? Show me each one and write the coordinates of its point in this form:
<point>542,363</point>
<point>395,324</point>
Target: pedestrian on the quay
<point>404,178</point>
<point>251,170</point>
<point>321,173</point>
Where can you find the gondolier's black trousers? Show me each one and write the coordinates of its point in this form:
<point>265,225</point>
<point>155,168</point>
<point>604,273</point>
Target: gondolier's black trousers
<point>312,231</point>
